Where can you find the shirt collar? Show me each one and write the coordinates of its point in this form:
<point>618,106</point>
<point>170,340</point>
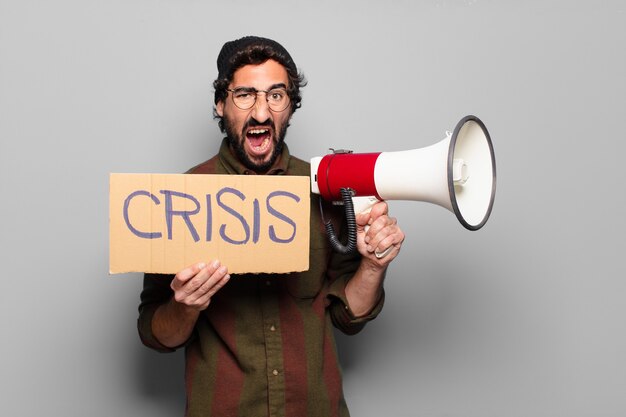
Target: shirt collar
<point>233,166</point>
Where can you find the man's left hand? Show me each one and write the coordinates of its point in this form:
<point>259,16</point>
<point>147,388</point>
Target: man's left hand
<point>379,238</point>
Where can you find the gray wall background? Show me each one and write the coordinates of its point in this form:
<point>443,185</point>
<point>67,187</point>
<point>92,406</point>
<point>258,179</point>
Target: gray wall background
<point>523,318</point>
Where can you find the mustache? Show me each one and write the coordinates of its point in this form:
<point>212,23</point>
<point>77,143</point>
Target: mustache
<point>252,122</point>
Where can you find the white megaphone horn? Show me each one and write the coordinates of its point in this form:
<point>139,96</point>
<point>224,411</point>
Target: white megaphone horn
<point>457,173</point>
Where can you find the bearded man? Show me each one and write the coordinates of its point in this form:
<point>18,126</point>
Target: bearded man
<point>263,344</point>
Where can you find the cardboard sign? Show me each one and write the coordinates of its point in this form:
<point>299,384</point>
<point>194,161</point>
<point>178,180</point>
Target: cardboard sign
<point>165,222</point>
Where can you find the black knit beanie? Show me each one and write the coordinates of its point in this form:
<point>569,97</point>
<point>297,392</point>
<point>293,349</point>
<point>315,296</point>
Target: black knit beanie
<point>233,49</point>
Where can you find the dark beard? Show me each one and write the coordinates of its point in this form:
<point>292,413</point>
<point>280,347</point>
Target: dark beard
<point>236,142</point>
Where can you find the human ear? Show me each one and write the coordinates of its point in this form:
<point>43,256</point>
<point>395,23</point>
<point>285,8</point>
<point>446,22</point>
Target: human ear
<point>219,108</point>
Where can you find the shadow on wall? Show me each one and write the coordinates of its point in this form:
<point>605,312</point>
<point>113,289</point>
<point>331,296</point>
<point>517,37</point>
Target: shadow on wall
<point>159,378</point>
<point>358,349</point>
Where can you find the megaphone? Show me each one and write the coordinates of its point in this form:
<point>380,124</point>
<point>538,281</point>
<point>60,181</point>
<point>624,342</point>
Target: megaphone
<point>457,173</point>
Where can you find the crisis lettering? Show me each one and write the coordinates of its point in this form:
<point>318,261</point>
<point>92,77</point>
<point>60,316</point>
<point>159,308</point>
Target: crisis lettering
<point>226,200</point>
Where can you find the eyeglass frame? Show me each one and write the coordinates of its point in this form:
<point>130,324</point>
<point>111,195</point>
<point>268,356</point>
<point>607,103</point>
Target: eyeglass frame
<point>256,96</point>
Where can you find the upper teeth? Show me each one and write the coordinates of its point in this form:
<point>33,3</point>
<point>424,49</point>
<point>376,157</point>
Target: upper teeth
<point>257,131</point>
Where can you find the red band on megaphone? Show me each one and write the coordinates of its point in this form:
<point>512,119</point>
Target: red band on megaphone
<point>347,170</point>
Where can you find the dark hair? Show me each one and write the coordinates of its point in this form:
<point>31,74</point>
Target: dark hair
<point>253,50</point>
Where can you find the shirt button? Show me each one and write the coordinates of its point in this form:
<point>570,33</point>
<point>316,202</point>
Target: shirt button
<point>268,283</point>
<point>275,372</point>
<point>272,328</point>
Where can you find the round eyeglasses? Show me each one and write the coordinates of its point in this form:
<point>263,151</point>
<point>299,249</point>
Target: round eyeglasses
<point>245,97</point>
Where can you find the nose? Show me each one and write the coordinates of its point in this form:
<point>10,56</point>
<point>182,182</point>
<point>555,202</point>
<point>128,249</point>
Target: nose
<point>261,110</point>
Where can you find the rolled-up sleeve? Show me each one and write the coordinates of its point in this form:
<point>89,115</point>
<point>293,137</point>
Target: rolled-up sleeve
<point>342,316</point>
<point>341,269</point>
<point>156,291</point>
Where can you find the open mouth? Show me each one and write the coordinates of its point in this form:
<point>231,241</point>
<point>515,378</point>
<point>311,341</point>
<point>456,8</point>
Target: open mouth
<point>259,139</point>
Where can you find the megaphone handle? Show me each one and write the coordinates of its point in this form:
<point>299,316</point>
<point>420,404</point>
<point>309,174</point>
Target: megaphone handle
<point>382,254</point>
<point>363,204</point>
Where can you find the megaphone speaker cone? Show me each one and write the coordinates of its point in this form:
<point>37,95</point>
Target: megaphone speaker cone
<point>473,194</point>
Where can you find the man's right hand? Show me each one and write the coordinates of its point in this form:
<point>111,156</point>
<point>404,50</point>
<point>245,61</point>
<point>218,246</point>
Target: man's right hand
<point>174,321</point>
<point>195,285</point>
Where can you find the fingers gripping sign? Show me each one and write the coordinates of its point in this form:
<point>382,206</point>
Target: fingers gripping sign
<point>195,285</point>
<point>379,236</point>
